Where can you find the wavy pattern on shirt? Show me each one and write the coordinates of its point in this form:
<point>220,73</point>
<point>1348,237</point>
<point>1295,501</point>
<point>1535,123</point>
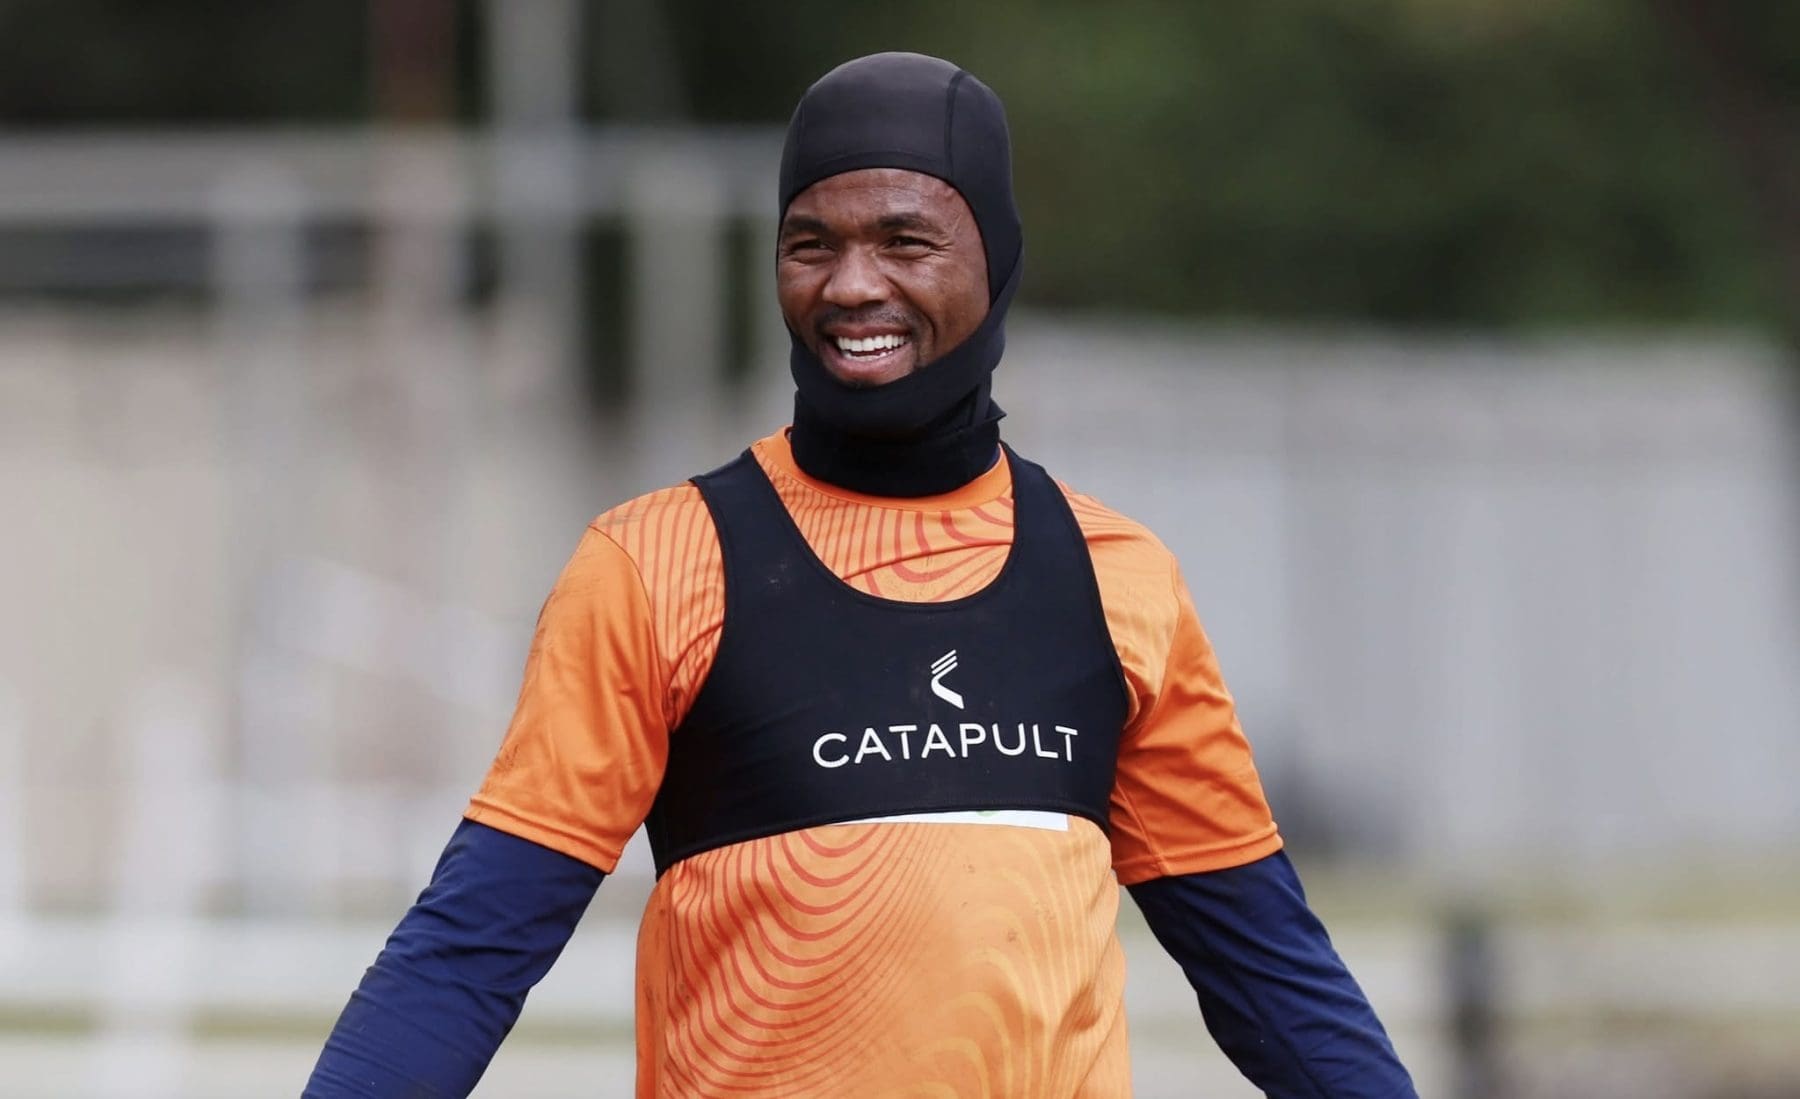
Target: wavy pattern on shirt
<point>899,959</point>
<point>904,959</point>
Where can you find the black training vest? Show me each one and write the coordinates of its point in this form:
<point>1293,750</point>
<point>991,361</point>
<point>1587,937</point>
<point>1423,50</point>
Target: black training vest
<point>826,704</point>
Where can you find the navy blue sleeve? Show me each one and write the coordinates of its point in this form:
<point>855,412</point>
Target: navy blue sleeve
<point>1273,991</point>
<point>449,985</point>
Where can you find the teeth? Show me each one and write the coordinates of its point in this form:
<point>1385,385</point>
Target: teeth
<point>872,344</point>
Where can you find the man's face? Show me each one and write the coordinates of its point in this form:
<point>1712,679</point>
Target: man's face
<point>880,271</point>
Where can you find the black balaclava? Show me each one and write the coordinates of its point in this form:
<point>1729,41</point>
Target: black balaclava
<point>936,428</point>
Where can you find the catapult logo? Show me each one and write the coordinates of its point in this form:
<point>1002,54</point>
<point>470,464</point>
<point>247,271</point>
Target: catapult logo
<point>902,742</point>
<point>940,668</point>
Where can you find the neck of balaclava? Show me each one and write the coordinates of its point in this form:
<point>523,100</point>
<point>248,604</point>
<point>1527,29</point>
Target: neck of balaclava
<point>940,458</point>
<point>927,433</point>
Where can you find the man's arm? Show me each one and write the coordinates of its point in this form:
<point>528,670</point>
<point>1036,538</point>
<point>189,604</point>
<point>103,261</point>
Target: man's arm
<point>1273,991</point>
<point>449,985</point>
<point>576,774</point>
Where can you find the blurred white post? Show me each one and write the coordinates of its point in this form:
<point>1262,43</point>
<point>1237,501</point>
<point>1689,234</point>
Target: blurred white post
<point>258,293</point>
<point>165,854</point>
<point>769,330</point>
<point>419,273</point>
<point>676,208</point>
<point>533,69</point>
<point>12,806</point>
<point>425,356</point>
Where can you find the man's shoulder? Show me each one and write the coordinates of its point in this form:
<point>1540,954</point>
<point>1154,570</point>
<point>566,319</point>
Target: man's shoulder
<point>1107,529</point>
<point>1138,581</point>
<point>668,538</point>
<point>657,523</point>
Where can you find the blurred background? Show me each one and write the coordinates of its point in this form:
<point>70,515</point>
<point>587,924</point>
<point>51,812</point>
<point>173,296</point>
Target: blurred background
<point>1452,344</point>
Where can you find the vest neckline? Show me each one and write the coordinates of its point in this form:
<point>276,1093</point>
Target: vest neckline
<point>1002,581</point>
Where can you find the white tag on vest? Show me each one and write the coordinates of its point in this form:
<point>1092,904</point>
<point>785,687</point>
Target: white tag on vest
<point>1017,818</point>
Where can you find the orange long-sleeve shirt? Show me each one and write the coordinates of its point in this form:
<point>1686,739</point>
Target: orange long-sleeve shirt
<point>937,955</point>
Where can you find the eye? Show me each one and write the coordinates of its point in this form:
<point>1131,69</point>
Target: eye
<point>804,247</point>
<point>909,244</point>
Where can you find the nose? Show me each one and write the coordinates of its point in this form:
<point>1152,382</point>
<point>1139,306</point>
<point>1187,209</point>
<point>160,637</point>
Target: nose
<point>856,280</point>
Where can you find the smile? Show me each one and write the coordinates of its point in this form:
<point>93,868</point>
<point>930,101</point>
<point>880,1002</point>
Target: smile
<point>871,347</point>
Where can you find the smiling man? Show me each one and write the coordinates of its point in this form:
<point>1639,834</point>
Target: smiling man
<point>881,270</point>
<point>899,711</point>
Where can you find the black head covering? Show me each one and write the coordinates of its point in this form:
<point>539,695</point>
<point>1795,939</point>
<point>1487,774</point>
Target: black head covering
<point>936,428</point>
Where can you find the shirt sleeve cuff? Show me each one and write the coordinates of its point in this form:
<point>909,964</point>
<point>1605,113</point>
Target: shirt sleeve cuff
<point>1198,860</point>
<point>501,819</point>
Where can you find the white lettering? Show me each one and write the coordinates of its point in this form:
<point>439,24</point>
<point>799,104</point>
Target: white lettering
<point>832,750</point>
<point>872,745</point>
<point>818,754</point>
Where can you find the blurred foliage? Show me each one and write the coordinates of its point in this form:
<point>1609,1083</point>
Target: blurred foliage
<point>1438,161</point>
<point>1442,162</point>
<point>94,62</point>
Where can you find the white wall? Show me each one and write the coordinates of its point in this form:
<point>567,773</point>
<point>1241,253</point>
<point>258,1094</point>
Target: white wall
<point>1514,604</point>
<point>1485,606</point>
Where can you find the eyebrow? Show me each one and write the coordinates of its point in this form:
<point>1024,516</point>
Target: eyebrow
<point>800,223</point>
<point>914,221</point>
<point>905,220</point>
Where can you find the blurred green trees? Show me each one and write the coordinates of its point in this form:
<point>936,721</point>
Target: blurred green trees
<point>1437,162</point>
<point>1447,162</point>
